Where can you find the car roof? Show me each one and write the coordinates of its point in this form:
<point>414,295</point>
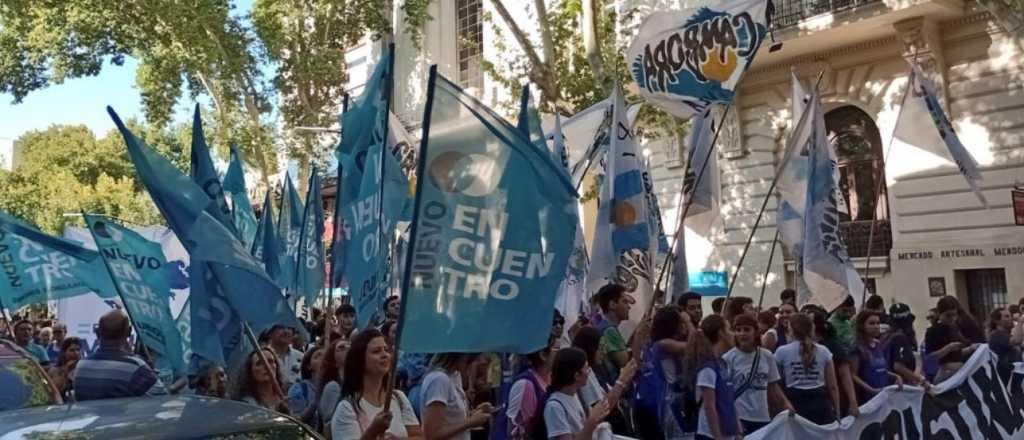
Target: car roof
<point>143,417</point>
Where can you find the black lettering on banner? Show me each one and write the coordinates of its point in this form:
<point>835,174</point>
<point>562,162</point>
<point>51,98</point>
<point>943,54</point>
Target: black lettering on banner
<point>934,407</point>
<point>889,428</point>
<point>986,380</point>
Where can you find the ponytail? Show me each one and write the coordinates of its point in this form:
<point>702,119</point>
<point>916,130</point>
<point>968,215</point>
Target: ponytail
<point>802,327</point>
<point>700,346</point>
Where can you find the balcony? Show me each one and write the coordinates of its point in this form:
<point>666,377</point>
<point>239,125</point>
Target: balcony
<point>857,235</point>
<point>789,13</point>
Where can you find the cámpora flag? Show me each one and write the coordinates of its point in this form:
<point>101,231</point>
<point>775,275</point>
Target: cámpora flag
<point>38,267</point>
<point>241,207</point>
<point>310,271</point>
<point>621,251</point>
<point>828,270</point>
<point>683,61</point>
<point>922,104</point>
<point>492,231</point>
<point>240,277</point>
<point>137,267</point>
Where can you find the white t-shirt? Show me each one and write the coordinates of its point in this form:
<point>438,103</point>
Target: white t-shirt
<point>592,392</point>
<point>290,367</point>
<point>792,365</point>
<point>563,414</point>
<point>752,405</point>
<point>346,425</point>
<point>439,386</point>
<point>706,378</point>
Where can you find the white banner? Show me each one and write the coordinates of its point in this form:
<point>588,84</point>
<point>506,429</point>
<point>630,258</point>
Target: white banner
<point>973,404</point>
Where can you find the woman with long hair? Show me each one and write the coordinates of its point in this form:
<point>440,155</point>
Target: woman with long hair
<point>331,372</point>
<point>303,395</point>
<point>661,411</point>
<point>808,373</point>
<point>709,375</point>
<point>944,341</point>
<point>826,334</point>
<point>212,381</point>
<point>445,407</point>
<point>255,383</point>
<point>779,335</point>
<point>870,363</point>
<point>564,417</point>
<point>63,371</point>
<point>360,414</point>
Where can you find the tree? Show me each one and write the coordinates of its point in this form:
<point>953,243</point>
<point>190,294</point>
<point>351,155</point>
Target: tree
<point>196,46</point>
<point>66,169</point>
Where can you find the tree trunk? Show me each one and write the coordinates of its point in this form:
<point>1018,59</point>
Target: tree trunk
<point>591,39</point>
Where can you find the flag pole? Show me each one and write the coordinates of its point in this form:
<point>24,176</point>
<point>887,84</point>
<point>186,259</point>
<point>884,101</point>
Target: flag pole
<point>384,150</point>
<point>760,215</point>
<point>878,186</point>
<point>263,359</point>
<point>335,226</point>
<point>680,228</point>
<point>117,288</point>
<point>414,227</point>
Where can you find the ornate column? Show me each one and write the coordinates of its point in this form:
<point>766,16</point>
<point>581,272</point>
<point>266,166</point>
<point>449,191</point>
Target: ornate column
<point>922,42</point>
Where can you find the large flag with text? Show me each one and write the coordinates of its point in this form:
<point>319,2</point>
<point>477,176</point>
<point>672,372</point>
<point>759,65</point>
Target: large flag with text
<point>792,183</point>
<point>241,278</point>
<point>922,104</point>
<point>137,267</point>
<point>492,232</point>
<point>683,61</point>
<point>36,267</point>
<point>828,269</point>
<point>241,207</point>
<point>621,251</point>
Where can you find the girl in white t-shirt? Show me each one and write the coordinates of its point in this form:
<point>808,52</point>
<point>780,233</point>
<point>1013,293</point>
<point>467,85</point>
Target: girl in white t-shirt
<point>360,414</point>
<point>444,406</point>
<point>564,416</point>
<point>808,373</point>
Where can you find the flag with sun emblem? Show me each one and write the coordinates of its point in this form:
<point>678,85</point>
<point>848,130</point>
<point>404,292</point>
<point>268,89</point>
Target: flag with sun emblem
<point>685,60</point>
<point>622,237</point>
<point>493,229</point>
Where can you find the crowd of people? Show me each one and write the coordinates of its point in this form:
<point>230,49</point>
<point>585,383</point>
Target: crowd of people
<point>678,375</point>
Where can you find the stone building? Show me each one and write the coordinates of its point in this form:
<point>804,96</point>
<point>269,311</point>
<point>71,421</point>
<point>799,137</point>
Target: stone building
<point>931,236</point>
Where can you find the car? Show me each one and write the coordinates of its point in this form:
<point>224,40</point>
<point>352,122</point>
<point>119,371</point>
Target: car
<point>158,417</point>
<point>23,383</point>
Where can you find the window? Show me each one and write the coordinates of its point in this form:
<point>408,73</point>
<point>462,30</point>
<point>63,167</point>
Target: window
<point>986,291</point>
<point>469,44</point>
<point>859,163</point>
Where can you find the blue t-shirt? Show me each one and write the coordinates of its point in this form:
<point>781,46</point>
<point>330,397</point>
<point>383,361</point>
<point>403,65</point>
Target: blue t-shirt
<point>37,351</point>
<point>714,375</point>
<point>873,367</point>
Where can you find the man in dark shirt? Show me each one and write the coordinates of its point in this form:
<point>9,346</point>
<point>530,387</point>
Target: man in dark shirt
<point>999,341</point>
<point>901,345</point>
<point>112,371</point>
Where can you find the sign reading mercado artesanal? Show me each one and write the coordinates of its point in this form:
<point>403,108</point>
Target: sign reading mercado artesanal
<point>956,252</point>
<point>685,60</point>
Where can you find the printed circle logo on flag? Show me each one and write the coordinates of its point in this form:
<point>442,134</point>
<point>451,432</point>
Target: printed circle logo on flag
<point>468,174</point>
<point>624,213</point>
<point>112,233</point>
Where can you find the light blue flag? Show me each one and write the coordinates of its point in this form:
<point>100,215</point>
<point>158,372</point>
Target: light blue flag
<point>266,247</point>
<point>36,267</point>
<point>828,270</point>
<point>184,324</point>
<point>241,278</point>
<point>654,223</point>
<point>289,232</point>
<point>492,233</point>
<point>138,268</point>
<point>241,207</point>
<point>205,175</point>
<point>529,119</point>
<point>216,329</point>
<point>310,270</point>
<point>572,297</point>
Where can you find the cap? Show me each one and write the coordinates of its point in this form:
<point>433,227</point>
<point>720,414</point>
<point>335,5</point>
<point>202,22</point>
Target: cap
<point>900,312</point>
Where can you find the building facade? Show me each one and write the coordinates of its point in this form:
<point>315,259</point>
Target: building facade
<point>914,228</point>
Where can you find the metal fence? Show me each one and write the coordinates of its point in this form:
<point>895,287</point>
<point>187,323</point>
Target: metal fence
<point>790,12</point>
<point>857,235</point>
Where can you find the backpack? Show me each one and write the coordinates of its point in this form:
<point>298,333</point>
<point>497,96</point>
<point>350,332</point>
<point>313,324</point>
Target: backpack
<point>502,428</point>
<point>653,389</point>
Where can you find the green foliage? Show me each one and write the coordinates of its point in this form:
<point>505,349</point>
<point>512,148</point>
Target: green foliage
<point>415,12</point>
<point>66,169</point>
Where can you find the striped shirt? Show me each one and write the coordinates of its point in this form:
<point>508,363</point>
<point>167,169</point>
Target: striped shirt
<point>111,373</point>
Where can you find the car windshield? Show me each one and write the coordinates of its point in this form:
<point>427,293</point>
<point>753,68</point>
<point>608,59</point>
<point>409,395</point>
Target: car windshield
<point>23,382</point>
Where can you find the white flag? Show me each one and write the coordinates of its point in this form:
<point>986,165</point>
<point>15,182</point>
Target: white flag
<point>622,240</point>
<point>572,293</point>
<point>828,270</point>
<point>706,193</point>
<point>923,105</point>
